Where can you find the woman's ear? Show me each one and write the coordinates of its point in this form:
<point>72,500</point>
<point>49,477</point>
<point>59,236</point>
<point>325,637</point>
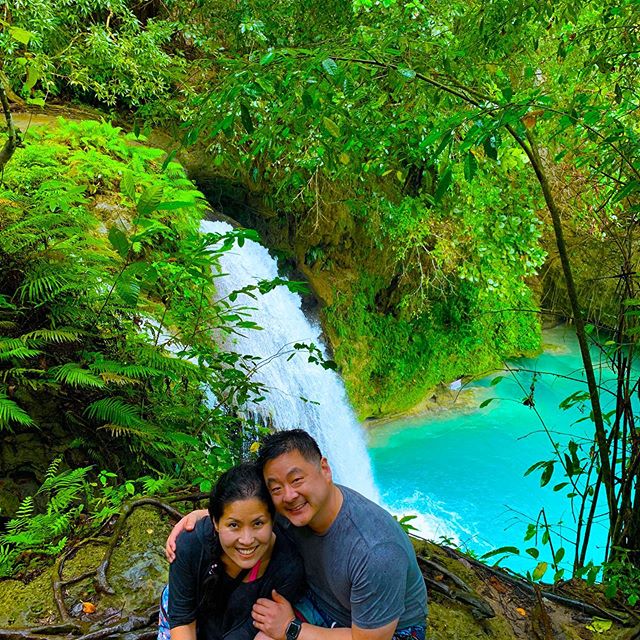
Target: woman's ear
<point>215,525</point>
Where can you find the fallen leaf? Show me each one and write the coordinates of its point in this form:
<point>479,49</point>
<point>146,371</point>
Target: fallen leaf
<point>149,531</point>
<point>439,577</point>
<point>254,447</point>
<point>88,607</point>
<point>599,625</point>
<point>522,612</point>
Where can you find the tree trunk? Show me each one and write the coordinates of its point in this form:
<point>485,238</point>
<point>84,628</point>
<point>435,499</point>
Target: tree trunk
<point>14,134</point>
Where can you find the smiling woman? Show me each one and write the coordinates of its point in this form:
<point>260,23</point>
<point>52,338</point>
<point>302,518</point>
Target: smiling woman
<point>246,536</point>
<point>229,561</point>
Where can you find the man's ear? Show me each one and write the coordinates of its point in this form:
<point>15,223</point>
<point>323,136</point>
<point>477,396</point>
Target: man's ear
<point>326,469</point>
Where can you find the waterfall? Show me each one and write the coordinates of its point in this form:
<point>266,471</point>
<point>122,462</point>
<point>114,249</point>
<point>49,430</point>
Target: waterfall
<point>301,394</point>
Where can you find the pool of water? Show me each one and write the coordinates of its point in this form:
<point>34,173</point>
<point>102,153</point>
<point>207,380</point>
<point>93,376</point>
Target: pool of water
<point>461,471</point>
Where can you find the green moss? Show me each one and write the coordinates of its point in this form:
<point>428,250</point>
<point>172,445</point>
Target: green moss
<point>25,604</point>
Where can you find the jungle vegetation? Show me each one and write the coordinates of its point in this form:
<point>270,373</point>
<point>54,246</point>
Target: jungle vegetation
<point>452,135</point>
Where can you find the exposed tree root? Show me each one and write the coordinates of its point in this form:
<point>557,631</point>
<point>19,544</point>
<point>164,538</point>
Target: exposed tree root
<point>102,583</point>
<point>570,603</point>
<point>146,622</point>
<point>50,632</point>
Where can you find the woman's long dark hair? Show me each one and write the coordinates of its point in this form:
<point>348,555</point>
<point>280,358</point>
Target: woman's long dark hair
<point>239,483</point>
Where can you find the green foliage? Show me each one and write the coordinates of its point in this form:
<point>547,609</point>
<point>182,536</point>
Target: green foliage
<point>405,523</point>
<point>103,52</point>
<point>391,362</point>
<point>44,532</point>
<point>106,291</point>
<point>622,579</point>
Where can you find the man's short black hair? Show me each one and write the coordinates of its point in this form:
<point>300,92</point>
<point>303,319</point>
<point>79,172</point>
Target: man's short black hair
<point>281,442</point>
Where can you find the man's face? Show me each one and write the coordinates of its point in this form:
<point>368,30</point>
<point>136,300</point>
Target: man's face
<point>300,489</point>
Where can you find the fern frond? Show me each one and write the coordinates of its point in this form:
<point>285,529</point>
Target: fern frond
<point>12,412</point>
<point>162,484</point>
<point>7,560</point>
<point>23,375</point>
<point>168,364</point>
<point>114,378</point>
<point>40,288</point>
<point>56,336</point>
<point>71,478</point>
<point>52,471</point>
<point>16,348</point>
<point>23,516</point>
<point>74,375</point>
<point>6,304</point>
<point>120,431</point>
<point>115,412</point>
<point>132,371</point>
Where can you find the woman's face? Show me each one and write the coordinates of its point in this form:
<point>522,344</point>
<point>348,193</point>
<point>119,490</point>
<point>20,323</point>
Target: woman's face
<point>246,534</point>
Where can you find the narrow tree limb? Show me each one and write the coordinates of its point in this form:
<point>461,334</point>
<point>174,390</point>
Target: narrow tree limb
<point>190,497</point>
<point>56,587</point>
<point>14,97</point>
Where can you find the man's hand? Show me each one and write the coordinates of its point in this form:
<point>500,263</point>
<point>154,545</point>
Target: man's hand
<point>272,616</point>
<point>185,524</point>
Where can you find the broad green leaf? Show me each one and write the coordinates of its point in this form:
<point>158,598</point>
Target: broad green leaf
<point>36,102</point>
<point>150,199</point>
<point>307,99</point>
<point>599,625</point>
<point>331,127</point>
<point>547,473</point>
<point>470,166</point>
<point>172,206</point>
<point>20,35</point>
<point>267,58</point>
<point>245,118</point>
<point>557,558</point>
<point>533,552</point>
<point>540,570</point>
<point>31,79</point>
<point>631,187</point>
<point>128,185</point>
<point>502,550</point>
<point>330,66</point>
<point>490,145</point>
<point>486,402</point>
<point>169,159</point>
<point>444,182</point>
<point>119,241</point>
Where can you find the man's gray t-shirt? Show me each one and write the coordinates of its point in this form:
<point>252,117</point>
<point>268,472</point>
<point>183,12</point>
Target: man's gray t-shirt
<point>363,570</point>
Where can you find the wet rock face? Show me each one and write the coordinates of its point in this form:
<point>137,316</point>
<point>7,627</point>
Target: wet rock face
<point>139,569</point>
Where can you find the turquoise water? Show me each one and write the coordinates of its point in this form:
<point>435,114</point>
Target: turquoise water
<point>461,471</point>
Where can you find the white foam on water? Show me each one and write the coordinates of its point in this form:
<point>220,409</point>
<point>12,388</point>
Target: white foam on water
<point>432,521</point>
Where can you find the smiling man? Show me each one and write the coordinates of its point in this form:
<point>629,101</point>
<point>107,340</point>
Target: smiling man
<point>364,580</point>
<point>363,576</point>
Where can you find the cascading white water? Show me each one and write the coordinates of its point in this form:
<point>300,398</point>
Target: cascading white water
<point>301,394</point>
